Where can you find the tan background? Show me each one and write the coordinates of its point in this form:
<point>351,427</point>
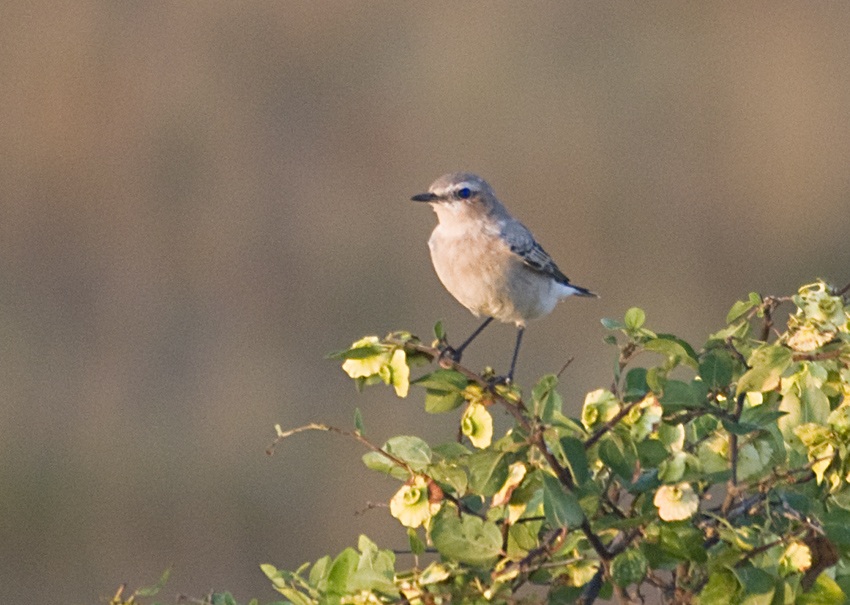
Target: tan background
<point>199,200</point>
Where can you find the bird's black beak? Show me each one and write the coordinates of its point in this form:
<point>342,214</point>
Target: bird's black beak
<point>425,197</point>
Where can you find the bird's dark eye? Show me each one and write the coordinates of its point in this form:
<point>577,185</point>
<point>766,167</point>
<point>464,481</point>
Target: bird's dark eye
<point>464,193</point>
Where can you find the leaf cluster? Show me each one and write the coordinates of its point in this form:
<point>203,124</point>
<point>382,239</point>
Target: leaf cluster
<point>711,474</point>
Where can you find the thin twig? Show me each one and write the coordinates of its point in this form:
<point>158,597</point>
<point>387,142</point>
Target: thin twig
<point>732,486</point>
<point>512,406</point>
<point>370,506</point>
<point>315,426</point>
<point>736,353</point>
<point>769,306</point>
<point>600,432</point>
<point>592,588</point>
<point>834,354</point>
<point>564,367</point>
<point>544,551</point>
<point>842,291</point>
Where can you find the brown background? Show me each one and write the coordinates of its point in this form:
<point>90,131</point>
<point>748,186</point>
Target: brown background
<point>198,200</point>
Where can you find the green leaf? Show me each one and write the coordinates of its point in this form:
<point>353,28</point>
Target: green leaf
<point>629,567</point>
<point>443,390</point>
<point>683,541</point>
<point>449,476</point>
<point>417,546</point>
<point>758,585</point>
<point>341,569</point>
<point>655,379</point>
<point>546,399</point>
<point>742,307</point>
<point>445,380</point>
<point>576,459</point>
<point>150,591</point>
<point>825,592</point>
<point>222,598</point>
<point>761,415</point>
<point>722,589</point>
<point>378,462</point>
<point>836,526</point>
<point>805,402</point>
<point>411,449</point>
<point>675,349</point>
<point>560,507</point>
<point>358,422</point>
<point>612,324</point>
<point>375,570</point>
<point>319,572</point>
<point>466,539</point>
<point>767,363</point>
<point>451,451</point>
<point>439,331</point>
<point>634,319</point>
<point>636,387</point>
<point>716,368</point>
<point>677,396</point>
<point>611,454</point>
<point>370,580</point>
<point>488,470</point>
<point>361,352</point>
<point>651,453</point>
<point>523,537</point>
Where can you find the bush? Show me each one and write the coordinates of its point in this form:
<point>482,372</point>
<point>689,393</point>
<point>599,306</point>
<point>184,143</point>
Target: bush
<point>711,476</point>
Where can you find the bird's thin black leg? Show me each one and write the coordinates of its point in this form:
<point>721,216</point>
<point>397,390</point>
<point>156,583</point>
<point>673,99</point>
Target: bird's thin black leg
<point>519,333</point>
<point>455,354</point>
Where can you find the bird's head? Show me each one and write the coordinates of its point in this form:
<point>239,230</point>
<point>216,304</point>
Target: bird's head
<point>460,194</point>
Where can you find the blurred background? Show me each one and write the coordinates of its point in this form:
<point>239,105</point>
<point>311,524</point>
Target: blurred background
<point>199,200</point>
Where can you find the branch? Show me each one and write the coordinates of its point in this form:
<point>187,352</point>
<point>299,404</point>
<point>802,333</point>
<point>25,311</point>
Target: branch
<point>842,291</point>
<point>315,426</point>
<point>518,410</point>
<point>732,486</point>
<point>514,408</point>
<point>834,354</point>
<point>592,588</point>
<point>600,432</point>
<point>544,551</point>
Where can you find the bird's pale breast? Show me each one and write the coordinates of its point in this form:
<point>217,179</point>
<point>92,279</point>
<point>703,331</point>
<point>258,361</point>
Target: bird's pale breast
<point>478,268</point>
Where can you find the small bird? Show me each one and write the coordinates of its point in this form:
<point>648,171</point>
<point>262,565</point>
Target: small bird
<point>488,260</point>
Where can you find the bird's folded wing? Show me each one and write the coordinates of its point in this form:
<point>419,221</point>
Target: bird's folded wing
<point>522,243</point>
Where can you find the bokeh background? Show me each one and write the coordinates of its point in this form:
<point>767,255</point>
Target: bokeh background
<point>199,200</point>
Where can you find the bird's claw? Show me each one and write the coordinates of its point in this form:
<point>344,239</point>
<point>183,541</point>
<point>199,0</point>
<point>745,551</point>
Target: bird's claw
<point>496,381</point>
<point>448,356</point>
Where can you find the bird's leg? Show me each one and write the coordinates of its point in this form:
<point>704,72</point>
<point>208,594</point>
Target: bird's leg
<point>497,380</point>
<point>455,354</point>
<point>519,333</point>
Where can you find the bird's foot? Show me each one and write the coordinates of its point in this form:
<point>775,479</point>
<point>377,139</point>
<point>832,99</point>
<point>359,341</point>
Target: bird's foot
<point>493,380</point>
<point>497,381</point>
<point>448,356</point>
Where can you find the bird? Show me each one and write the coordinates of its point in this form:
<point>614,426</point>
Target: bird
<point>489,261</point>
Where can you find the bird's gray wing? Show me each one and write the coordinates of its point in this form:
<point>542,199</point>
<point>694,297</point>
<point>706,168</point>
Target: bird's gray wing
<point>522,243</point>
